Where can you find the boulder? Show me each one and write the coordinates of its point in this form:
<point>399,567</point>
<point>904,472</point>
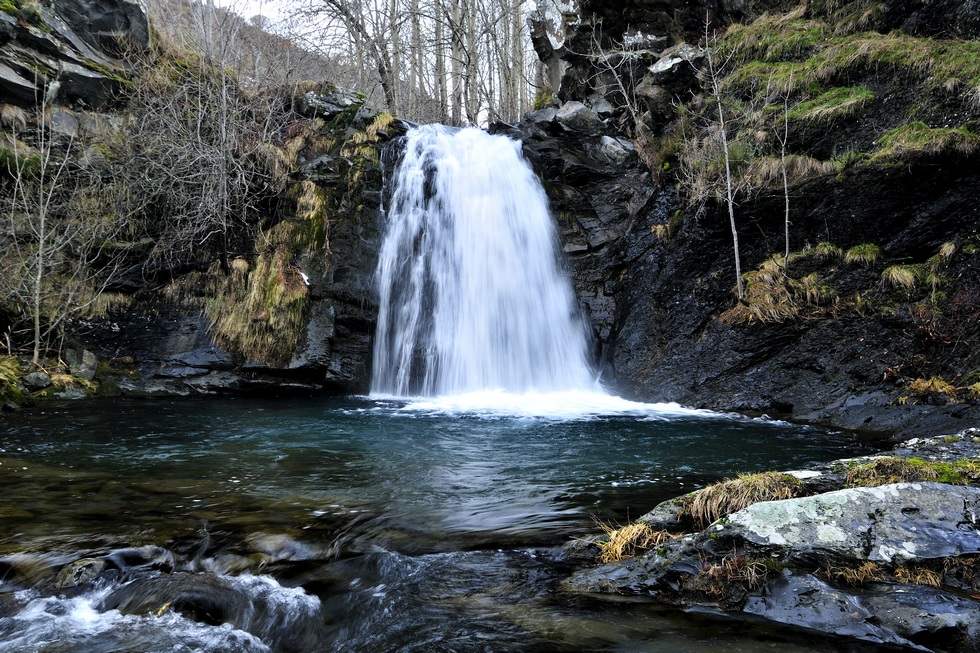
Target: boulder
<point>36,381</point>
<point>804,601</point>
<point>82,363</point>
<point>891,524</point>
<point>314,105</point>
<point>575,116</point>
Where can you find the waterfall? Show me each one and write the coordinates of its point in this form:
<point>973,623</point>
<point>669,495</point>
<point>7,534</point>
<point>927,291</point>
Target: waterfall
<point>471,288</point>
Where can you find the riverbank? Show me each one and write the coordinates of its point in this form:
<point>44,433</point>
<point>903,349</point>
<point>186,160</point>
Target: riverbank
<point>882,548</point>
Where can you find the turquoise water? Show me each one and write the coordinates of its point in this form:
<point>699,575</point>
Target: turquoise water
<point>359,525</point>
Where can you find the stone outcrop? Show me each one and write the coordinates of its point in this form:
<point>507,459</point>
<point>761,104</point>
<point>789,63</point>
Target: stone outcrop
<point>890,564</point>
<point>73,50</point>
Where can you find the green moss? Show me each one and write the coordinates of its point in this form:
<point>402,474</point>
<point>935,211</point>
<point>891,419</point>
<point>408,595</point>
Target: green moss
<point>866,253</point>
<point>775,38</point>
<point>835,103</point>
<point>22,11</point>
<point>543,98</point>
<point>918,139</point>
<point>12,164</point>
<point>811,51</point>
<point>11,392</point>
<point>888,470</point>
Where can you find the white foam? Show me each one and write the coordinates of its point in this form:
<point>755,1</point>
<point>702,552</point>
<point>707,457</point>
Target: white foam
<point>79,623</point>
<point>563,405</point>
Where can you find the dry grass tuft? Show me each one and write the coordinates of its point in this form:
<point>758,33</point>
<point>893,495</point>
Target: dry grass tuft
<point>735,572</point>
<point>629,541</point>
<point>865,254</point>
<point>918,576</point>
<point>932,386</point>
<point>64,381</point>
<point>869,572</point>
<point>13,118</point>
<point>772,296</point>
<point>901,277</point>
<point>767,171</point>
<point>715,501</point>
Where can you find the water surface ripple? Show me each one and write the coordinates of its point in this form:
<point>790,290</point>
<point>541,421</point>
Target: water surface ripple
<point>355,525</point>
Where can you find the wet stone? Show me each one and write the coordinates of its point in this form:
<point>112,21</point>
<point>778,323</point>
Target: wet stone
<point>80,571</point>
<point>36,381</point>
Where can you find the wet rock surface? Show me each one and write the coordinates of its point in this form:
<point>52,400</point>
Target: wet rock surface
<point>890,564</point>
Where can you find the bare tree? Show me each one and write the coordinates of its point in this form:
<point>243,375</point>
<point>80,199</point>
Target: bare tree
<point>57,227</point>
<point>783,138</point>
<point>195,155</point>
<point>458,61</point>
<point>714,73</point>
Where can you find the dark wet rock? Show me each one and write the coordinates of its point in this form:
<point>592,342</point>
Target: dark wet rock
<point>927,616</point>
<point>575,116</point>
<point>656,278</point>
<point>277,547</point>
<point>82,363</point>
<point>26,570</point>
<point>286,619</point>
<point>777,560</point>
<point>36,381</point>
<point>327,106</point>
<point>804,601</point>
<point>79,43</point>
<point>80,571</point>
<point>141,559</point>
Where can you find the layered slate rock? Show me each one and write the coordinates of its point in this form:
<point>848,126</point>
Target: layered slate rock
<point>72,50</point>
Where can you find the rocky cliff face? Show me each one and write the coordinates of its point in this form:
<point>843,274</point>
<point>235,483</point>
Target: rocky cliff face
<point>841,342</point>
<point>80,44</point>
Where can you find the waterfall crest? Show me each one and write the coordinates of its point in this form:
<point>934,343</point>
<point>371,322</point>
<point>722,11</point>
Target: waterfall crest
<point>472,294</point>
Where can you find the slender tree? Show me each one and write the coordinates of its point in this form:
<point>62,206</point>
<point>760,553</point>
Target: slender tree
<point>714,73</point>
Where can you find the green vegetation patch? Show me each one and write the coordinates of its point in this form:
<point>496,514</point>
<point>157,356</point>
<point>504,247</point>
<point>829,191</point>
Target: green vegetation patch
<point>888,470</point>
<point>258,309</point>
<point>776,38</point>
<point>835,103</point>
<point>19,161</point>
<point>775,51</point>
<point>917,139</point>
<point>11,392</point>
<point>866,253</point>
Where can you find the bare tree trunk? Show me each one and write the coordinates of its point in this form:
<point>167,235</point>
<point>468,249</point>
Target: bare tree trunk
<point>441,90</point>
<point>714,79</point>
<point>782,160</point>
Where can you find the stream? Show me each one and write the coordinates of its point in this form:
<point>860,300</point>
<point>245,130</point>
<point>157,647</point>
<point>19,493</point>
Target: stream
<point>308,525</point>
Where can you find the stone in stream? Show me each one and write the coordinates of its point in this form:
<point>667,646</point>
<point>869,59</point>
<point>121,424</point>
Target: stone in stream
<point>891,524</point>
<point>888,533</point>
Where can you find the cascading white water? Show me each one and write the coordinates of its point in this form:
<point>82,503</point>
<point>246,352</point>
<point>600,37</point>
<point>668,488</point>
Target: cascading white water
<point>472,295</point>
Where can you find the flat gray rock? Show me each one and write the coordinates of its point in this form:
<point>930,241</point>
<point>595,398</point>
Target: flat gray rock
<point>891,524</point>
